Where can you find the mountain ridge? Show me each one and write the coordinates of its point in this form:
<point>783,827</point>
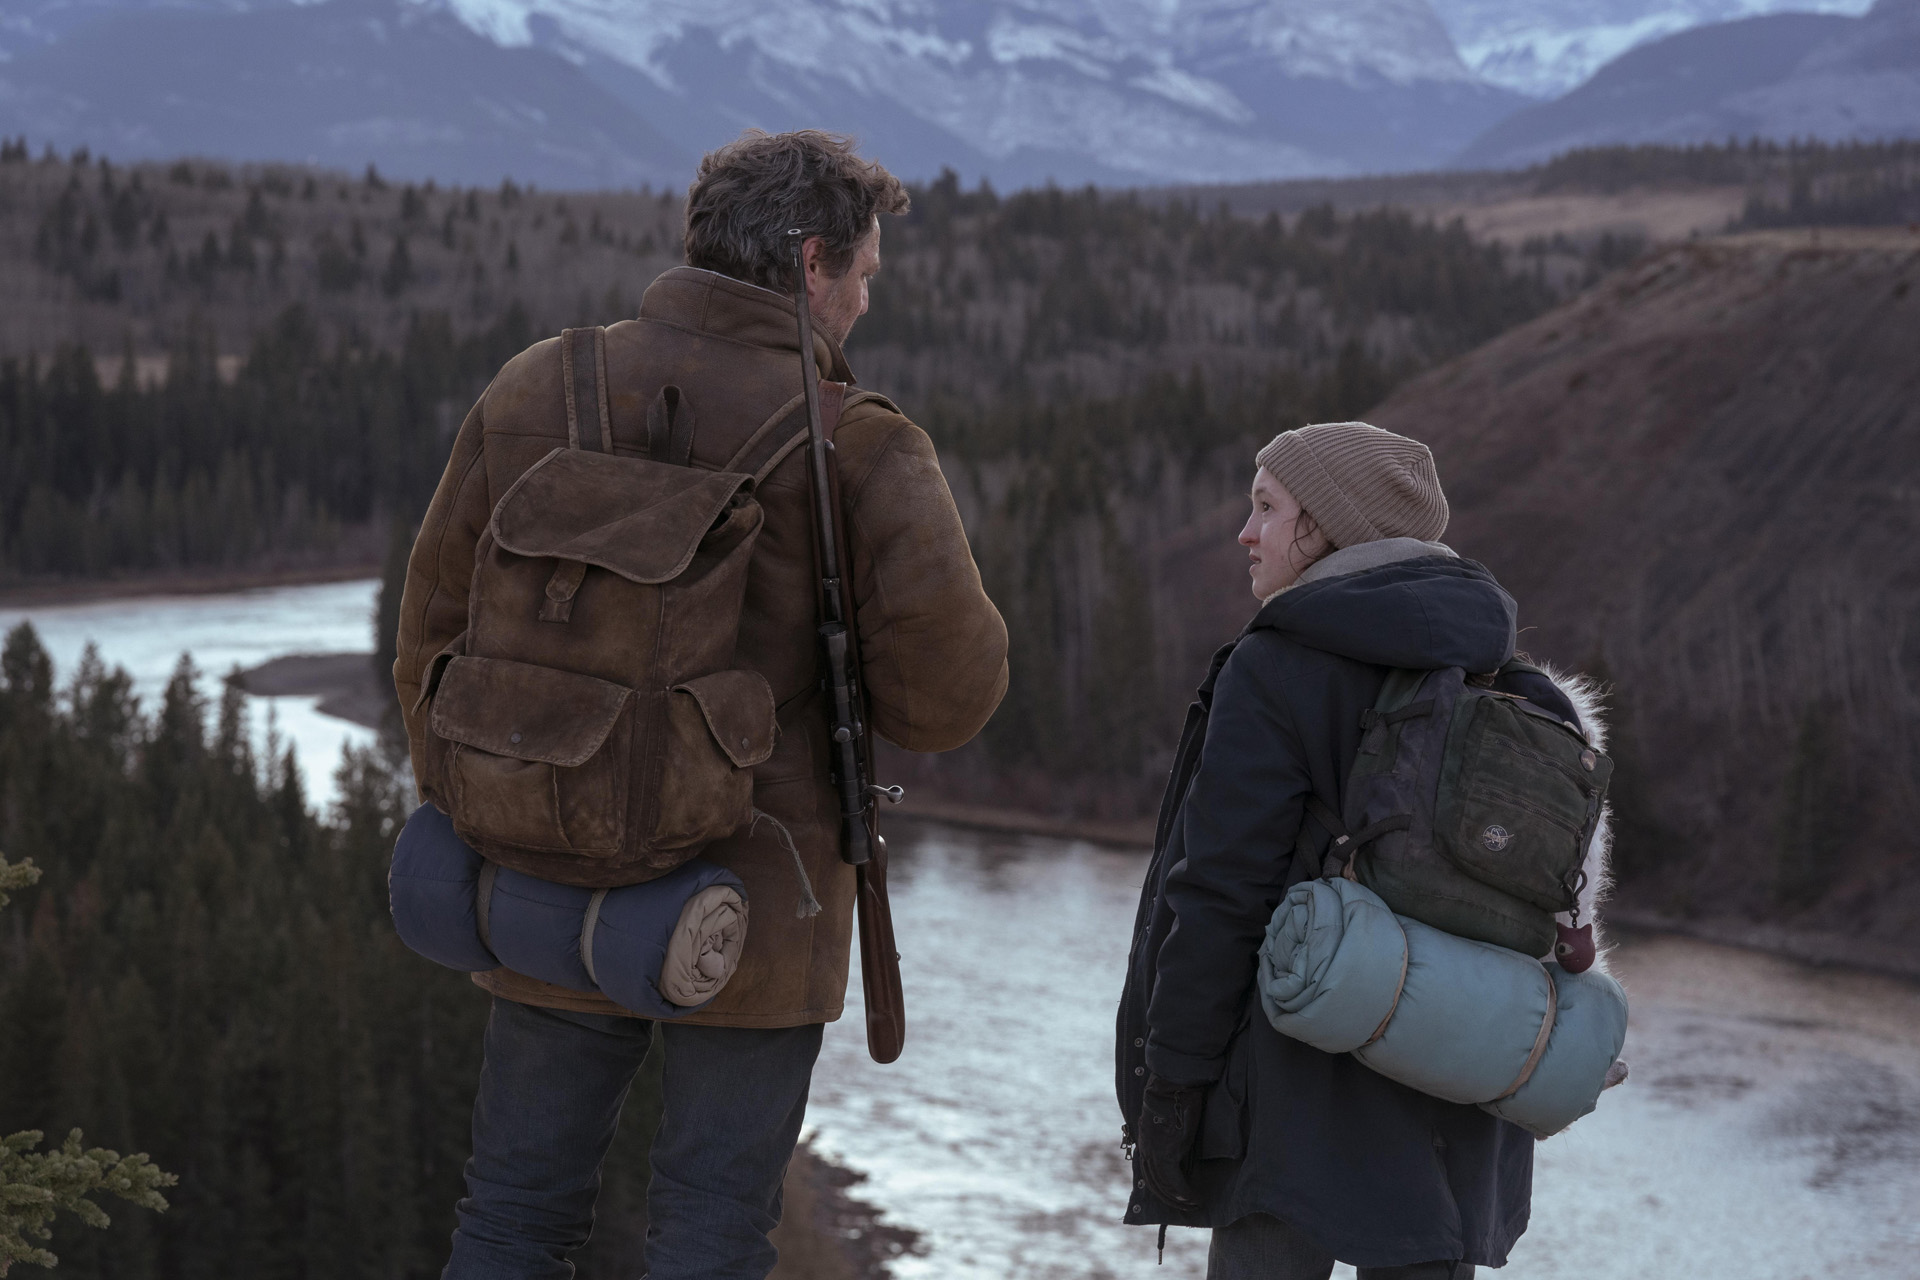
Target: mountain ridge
<point>343,84</point>
<point>1785,75</point>
<point>1116,92</point>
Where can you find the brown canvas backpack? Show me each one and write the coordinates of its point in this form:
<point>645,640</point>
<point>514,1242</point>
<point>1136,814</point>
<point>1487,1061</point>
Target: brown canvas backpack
<point>590,726</point>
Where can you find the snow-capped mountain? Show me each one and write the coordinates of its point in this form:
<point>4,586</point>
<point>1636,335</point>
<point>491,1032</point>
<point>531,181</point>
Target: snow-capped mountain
<point>1547,47</point>
<point>1786,75</point>
<point>1018,90</point>
<point>1120,89</point>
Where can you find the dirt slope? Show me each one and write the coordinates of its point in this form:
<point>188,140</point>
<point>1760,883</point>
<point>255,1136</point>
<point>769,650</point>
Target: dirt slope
<point>1703,479</point>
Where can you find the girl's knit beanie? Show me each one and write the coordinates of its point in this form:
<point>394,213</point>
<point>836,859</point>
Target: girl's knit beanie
<point>1359,483</point>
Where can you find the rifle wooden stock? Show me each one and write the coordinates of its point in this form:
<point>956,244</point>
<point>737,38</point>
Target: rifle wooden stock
<point>886,1002</point>
<point>880,961</point>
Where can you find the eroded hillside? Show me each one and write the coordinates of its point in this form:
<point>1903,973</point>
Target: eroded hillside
<point>1702,480</point>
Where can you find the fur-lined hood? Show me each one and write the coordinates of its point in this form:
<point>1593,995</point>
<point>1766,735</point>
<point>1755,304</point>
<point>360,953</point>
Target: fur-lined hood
<point>1586,693</point>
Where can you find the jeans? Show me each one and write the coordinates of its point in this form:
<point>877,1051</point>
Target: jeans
<point>1259,1247</point>
<point>551,1088</point>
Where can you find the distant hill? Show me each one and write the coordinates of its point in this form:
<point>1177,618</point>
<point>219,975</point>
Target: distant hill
<point>1702,480</point>
<point>1782,76</point>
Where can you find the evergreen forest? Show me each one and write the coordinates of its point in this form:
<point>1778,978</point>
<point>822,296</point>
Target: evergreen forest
<point>206,973</point>
<point>1094,366</point>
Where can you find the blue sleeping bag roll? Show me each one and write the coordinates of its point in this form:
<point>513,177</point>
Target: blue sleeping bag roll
<point>1456,1019</point>
<point>661,949</point>
<point>430,887</point>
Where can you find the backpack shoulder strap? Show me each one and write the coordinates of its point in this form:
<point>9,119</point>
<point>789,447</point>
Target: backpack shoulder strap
<point>583,362</point>
<point>1397,693</point>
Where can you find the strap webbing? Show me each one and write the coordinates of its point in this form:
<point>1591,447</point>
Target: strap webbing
<point>1399,989</point>
<point>833,402</point>
<point>483,903</point>
<point>583,359</point>
<point>587,926</point>
<point>1371,717</point>
<point>1321,812</point>
<point>1346,844</point>
<point>743,457</point>
<point>1540,1040</point>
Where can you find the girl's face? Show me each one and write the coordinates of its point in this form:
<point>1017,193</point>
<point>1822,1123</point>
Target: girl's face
<point>1277,553</point>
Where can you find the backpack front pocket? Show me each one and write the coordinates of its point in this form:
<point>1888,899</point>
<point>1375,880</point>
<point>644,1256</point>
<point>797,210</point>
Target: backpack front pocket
<point>718,727</point>
<point>538,759</point>
<point>1522,805</point>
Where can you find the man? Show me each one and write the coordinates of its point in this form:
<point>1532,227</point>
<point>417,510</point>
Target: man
<point>722,330</point>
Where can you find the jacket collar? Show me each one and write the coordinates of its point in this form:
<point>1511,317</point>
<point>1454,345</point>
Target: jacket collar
<point>1362,556</point>
<point>708,302</point>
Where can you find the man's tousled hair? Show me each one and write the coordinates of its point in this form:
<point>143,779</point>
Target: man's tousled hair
<point>749,192</point>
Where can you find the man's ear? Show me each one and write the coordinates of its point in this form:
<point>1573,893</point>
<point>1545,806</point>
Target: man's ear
<point>812,250</point>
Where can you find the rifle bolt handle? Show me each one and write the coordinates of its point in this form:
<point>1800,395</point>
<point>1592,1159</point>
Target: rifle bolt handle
<point>892,795</point>
<point>842,734</point>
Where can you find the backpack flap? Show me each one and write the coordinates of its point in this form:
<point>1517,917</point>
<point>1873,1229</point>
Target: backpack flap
<point>640,519</point>
<point>739,710</point>
<point>537,758</point>
<point>528,712</point>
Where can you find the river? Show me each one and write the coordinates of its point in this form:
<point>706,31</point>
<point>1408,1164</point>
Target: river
<point>147,635</point>
<point>1770,1129</point>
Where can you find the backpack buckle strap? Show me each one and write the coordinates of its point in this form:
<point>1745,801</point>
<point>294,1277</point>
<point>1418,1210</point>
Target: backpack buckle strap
<point>1342,849</point>
<point>1346,845</point>
<point>558,606</point>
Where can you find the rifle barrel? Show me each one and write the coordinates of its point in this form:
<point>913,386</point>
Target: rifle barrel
<point>846,734</point>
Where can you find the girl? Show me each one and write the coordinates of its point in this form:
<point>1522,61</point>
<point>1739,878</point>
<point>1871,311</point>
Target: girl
<point>1296,1157</point>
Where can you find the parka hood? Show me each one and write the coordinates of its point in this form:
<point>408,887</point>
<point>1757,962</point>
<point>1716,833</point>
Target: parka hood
<point>1426,612</point>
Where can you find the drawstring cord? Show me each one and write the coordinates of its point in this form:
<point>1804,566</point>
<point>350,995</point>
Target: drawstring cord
<point>809,905</point>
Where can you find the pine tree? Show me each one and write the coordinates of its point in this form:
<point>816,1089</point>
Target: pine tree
<point>37,1185</point>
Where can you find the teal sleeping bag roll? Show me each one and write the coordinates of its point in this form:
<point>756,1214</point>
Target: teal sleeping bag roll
<point>1461,1020</point>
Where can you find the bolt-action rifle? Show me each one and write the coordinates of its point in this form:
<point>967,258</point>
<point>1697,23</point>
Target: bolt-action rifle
<point>848,743</point>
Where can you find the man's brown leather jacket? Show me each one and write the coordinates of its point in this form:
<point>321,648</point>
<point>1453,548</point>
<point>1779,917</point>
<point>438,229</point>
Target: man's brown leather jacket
<point>935,648</point>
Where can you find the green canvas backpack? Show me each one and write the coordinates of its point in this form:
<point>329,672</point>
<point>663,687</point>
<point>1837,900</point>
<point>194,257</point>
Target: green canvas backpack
<point>1468,808</point>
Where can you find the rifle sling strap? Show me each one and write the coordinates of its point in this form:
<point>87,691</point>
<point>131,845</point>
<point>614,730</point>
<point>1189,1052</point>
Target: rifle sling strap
<point>834,401</point>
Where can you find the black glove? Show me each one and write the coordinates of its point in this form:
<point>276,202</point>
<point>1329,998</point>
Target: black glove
<point>1163,1142</point>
